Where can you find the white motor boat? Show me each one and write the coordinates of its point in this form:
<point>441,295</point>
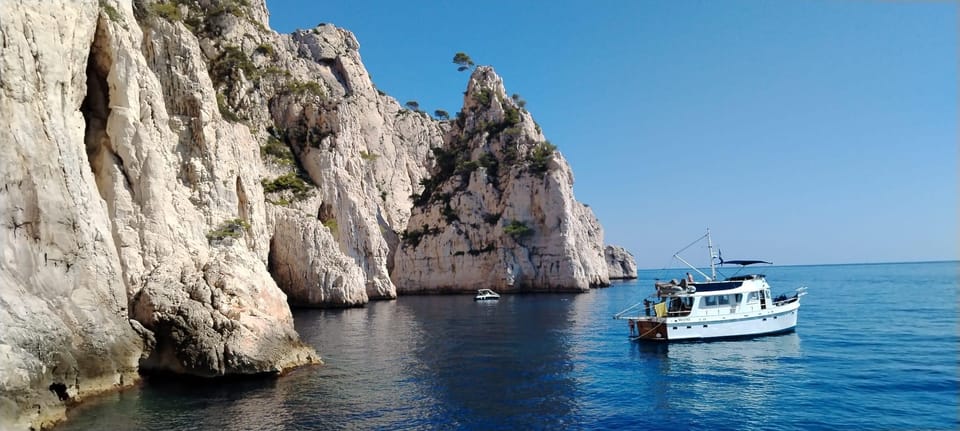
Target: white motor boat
<point>486,294</point>
<point>738,306</point>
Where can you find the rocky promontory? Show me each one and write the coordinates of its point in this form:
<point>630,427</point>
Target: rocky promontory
<point>498,209</point>
<point>620,263</point>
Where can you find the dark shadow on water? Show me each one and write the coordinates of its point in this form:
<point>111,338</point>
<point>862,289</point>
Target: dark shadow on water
<point>495,365</point>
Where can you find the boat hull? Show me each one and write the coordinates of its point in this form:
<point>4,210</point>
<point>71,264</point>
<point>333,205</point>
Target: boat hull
<point>768,322</point>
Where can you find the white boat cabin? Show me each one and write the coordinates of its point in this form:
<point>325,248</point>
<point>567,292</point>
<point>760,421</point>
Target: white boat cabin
<point>716,298</point>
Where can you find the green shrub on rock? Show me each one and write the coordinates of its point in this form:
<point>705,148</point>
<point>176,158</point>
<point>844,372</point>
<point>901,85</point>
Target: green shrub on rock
<point>517,230</point>
<point>229,229</point>
<point>540,156</point>
<point>290,181</point>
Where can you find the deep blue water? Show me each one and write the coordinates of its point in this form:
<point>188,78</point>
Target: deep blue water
<point>876,348</point>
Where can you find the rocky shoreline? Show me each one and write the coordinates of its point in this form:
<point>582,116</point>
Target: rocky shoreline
<point>176,173</point>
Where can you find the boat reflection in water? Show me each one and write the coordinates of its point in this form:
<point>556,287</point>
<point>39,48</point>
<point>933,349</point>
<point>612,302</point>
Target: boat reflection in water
<point>742,373</point>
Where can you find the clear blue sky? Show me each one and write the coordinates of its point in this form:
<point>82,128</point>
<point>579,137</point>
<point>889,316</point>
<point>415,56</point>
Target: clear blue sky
<point>801,132</point>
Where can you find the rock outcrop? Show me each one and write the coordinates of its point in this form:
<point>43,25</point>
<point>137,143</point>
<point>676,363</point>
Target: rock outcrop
<point>340,158</point>
<point>498,210</point>
<point>620,263</point>
<point>364,154</point>
<point>315,275</point>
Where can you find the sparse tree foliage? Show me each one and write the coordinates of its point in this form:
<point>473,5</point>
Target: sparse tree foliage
<point>463,61</point>
<point>540,156</point>
<point>518,100</point>
<point>441,114</point>
<point>413,105</point>
<point>518,230</point>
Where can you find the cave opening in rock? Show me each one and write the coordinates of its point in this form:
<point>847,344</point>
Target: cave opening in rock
<point>275,265</point>
<point>60,389</point>
<point>96,106</point>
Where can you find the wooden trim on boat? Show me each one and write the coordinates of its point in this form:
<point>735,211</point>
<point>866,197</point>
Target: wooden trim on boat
<point>651,330</point>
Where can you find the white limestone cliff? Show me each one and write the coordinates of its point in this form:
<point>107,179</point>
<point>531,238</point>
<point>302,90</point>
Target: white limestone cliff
<point>334,147</point>
<point>499,211</point>
<point>116,168</point>
<point>364,153</point>
<point>620,263</point>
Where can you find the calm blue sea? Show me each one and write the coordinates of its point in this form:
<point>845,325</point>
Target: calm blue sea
<point>875,349</point>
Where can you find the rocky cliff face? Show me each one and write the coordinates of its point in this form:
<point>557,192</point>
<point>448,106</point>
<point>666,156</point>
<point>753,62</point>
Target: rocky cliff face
<point>620,263</point>
<point>63,297</point>
<point>364,153</point>
<point>339,158</point>
<point>498,210</point>
<point>124,195</point>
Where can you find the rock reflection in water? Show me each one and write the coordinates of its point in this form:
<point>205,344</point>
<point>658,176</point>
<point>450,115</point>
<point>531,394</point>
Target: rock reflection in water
<point>496,365</point>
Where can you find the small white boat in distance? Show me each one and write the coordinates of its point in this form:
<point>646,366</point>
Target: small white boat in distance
<point>739,306</point>
<point>485,294</point>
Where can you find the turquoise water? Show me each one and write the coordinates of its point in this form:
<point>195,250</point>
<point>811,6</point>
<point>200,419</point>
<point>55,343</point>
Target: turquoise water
<point>875,348</point>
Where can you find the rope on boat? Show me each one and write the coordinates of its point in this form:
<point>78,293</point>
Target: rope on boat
<point>691,244</point>
<point>618,315</point>
<point>651,330</point>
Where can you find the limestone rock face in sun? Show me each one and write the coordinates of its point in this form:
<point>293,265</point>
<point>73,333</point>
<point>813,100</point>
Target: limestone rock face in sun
<point>498,210</point>
<point>125,194</point>
<point>620,263</point>
<point>363,154</point>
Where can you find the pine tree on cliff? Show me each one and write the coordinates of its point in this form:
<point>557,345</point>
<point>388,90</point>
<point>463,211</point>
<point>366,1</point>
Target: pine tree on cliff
<point>463,60</point>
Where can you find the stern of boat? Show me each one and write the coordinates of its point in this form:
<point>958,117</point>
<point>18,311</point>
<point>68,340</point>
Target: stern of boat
<point>652,329</point>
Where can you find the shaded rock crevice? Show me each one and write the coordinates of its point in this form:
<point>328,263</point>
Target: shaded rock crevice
<point>105,164</point>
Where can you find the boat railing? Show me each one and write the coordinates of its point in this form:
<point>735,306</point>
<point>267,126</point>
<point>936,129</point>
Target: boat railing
<point>783,299</point>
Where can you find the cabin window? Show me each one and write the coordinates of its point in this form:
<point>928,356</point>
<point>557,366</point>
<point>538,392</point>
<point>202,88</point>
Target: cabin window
<point>709,301</point>
<point>739,297</point>
<point>754,297</point>
<point>723,299</point>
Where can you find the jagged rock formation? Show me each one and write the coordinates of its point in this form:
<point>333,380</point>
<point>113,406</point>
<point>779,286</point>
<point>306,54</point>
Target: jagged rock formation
<point>364,153</point>
<point>498,210</point>
<point>312,276</point>
<point>620,263</point>
<point>340,158</point>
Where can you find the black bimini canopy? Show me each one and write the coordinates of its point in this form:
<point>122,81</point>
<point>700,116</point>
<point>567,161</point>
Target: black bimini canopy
<point>743,262</point>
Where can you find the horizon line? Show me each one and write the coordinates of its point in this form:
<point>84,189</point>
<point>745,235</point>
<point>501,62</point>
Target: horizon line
<point>826,264</point>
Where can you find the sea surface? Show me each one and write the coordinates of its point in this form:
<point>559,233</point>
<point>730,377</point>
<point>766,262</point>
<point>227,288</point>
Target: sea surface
<point>875,349</point>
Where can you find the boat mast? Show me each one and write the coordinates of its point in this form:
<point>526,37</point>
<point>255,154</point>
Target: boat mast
<point>713,269</point>
<point>695,269</point>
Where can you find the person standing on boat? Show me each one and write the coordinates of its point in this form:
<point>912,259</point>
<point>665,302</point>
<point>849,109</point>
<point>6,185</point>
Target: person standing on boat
<point>689,278</point>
